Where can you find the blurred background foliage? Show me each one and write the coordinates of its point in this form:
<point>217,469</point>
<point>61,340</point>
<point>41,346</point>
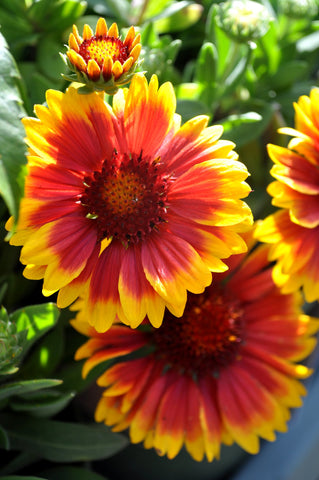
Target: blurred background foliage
<point>244,68</point>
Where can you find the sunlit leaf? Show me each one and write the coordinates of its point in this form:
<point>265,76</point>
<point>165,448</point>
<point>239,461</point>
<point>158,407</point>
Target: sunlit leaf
<point>180,20</point>
<point>37,319</point>
<point>12,147</point>
<point>206,65</point>
<point>45,356</point>
<point>55,16</point>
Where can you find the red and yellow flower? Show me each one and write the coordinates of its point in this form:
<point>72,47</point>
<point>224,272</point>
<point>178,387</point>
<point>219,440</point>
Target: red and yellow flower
<point>127,205</point>
<point>102,61</point>
<point>294,229</point>
<point>225,372</point>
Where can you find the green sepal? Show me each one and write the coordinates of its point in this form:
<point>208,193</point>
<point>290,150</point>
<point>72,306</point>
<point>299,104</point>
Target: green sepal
<point>110,86</point>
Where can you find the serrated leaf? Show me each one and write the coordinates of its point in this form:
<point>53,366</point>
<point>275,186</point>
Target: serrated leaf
<point>16,388</point>
<point>61,441</point>
<point>12,147</point>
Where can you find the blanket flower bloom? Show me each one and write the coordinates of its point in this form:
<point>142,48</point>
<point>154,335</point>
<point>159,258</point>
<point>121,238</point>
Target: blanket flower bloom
<point>225,372</point>
<point>126,204</point>
<point>102,61</point>
<point>294,228</point>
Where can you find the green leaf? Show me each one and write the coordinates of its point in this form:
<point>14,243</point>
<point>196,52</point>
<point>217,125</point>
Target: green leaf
<point>180,20</point>
<point>219,38</point>
<point>15,26</point>
<point>206,65</point>
<point>289,73</point>
<point>270,49</point>
<point>121,9</point>
<point>12,147</point>
<point>48,59</point>
<point>55,16</point>
<point>241,128</point>
<point>64,13</point>
<point>4,439</point>
<point>36,83</point>
<point>190,108</point>
<point>237,74</point>
<point>21,477</point>
<point>172,9</point>
<point>60,441</point>
<point>154,7</point>
<point>43,404</point>
<point>19,462</point>
<point>37,319</point>
<point>45,356</point>
<point>188,91</point>
<point>17,388</point>
<point>71,473</point>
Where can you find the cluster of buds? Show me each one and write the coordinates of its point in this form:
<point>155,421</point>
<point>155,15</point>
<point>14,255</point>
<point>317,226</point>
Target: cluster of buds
<point>102,61</point>
<point>11,346</point>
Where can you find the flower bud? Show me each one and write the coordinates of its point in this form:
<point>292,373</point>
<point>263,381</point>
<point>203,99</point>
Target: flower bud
<point>102,61</point>
<point>242,20</point>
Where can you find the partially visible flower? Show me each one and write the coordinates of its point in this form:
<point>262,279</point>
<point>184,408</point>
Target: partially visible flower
<point>225,372</point>
<point>294,231</point>
<point>102,61</point>
<point>243,20</point>
<point>127,205</point>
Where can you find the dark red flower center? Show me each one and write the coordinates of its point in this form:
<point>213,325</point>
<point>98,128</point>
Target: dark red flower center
<point>207,337</point>
<point>126,198</point>
<point>100,47</point>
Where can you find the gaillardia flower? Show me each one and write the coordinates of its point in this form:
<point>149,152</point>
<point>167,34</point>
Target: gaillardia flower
<point>102,61</point>
<point>294,229</point>
<point>126,204</point>
<point>225,372</point>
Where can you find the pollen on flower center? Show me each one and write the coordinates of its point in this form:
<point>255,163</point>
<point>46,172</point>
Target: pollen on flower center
<point>126,198</point>
<point>100,47</point>
<point>207,337</point>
